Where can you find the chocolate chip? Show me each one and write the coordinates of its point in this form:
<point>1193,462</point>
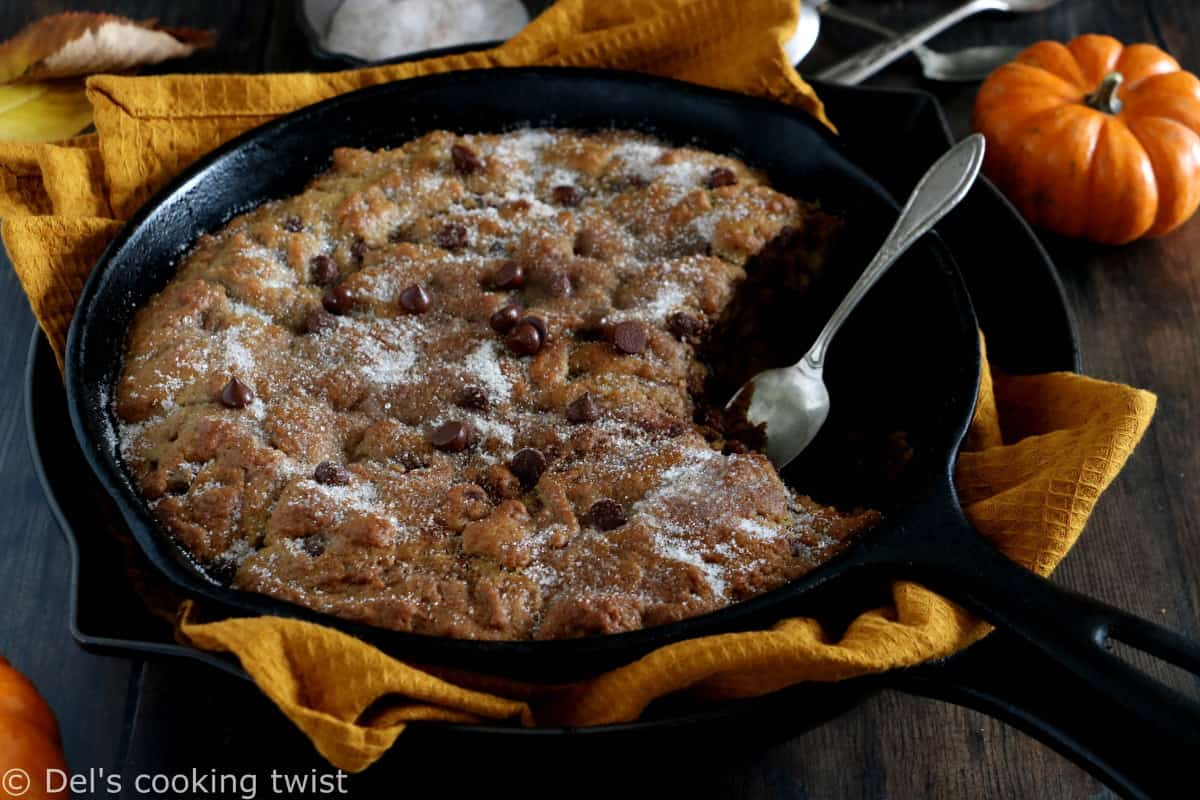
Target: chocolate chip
<point>510,275</point>
<point>314,545</point>
<point>721,176</point>
<point>504,319</point>
<point>569,196</point>
<point>358,250</point>
<point>451,236</point>
<point>583,409</point>
<point>324,270</point>
<point>236,394</point>
<point>629,337</point>
<point>319,320</point>
<point>597,326</point>
<point>558,284</point>
<point>453,437</point>
<point>528,465</point>
<point>607,514</point>
<point>538,323</point>
<point>293,224</point>
<point>684,326</point>
<point>415,300</point>
<point>331,474</point>
<point>338,300</point>
<point>473,397</point>
<point>525,339</point>
<point>178,486</point>
<point>585,243</point>
<point>466,161</point>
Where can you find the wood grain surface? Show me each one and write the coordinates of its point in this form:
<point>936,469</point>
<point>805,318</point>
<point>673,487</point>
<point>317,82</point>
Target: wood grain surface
<point>1138,310</point>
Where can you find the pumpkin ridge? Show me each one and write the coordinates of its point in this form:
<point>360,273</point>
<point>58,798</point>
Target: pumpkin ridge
<point>1051,57</point>
<point>1122,196</point>
<point>1179,191</point>
<point>1172,95</point>
<point>1086,129</point>
<point>1097,55</point>
<point>1040,74</point>
<point>1132,120</point>
<point>1132,85</point>
<point>1016,121</point>
<point>1141,61</point>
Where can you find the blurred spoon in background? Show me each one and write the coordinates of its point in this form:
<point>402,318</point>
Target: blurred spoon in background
<point>866,63</point>
<point>959,66</point>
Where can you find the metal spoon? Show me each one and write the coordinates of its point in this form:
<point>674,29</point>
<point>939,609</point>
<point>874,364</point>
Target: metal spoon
<point>958,66</point>
<point>792,401</point>
<point>866,63</point>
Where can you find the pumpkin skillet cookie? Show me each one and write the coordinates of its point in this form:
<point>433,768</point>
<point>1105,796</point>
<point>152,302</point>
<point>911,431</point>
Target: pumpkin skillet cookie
<point>453,388</point>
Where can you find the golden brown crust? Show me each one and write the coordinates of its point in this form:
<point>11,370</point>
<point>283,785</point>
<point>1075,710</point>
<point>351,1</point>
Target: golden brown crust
<point>362,463</point>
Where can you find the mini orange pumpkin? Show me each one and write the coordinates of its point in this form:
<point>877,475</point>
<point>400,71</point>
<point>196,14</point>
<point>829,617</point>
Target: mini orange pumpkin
<point>28,738</point>
<point>1094,138</point>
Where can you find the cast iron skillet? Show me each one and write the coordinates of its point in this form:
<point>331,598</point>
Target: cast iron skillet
<point>910,357</point>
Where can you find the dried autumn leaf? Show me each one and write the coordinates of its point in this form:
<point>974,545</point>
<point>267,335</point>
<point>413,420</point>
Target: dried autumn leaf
<point>43,112</point>
<point>78,44</point>
<point>42,68</point>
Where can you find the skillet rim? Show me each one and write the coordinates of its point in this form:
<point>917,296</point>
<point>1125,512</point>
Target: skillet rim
<point>504,656</point>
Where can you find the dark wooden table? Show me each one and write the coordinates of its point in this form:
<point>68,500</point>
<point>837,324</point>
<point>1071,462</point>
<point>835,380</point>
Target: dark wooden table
<point>1138,309</point>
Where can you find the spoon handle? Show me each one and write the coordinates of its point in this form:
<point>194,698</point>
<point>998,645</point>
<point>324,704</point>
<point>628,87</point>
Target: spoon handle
<point>939,190</point>
<point>862,65</point>
<point>828,9</point>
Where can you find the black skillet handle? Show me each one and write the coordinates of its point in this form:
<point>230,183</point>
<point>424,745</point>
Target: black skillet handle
<point>1075,632</point>
<point>1010,680</point>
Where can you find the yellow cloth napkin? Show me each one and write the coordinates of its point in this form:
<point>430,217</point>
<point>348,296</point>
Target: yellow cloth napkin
<point>1040,452</point>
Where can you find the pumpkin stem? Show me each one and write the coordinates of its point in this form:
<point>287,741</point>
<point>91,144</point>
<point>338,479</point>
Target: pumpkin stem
<point>1105,97</point>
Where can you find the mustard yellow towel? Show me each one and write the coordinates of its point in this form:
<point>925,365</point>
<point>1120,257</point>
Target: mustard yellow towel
<point>1029,496</point>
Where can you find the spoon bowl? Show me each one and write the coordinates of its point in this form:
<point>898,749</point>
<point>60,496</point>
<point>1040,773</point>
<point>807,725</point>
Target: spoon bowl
<point>793,402</point>
<point>966,65</point>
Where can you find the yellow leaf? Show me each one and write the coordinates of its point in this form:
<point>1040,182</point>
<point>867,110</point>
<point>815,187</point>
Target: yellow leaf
<point>43,112</point>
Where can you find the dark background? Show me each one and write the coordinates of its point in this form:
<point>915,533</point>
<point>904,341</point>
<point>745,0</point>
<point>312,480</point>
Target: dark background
<point>1138,309</point>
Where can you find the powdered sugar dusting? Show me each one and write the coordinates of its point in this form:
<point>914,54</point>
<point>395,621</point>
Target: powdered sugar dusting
<point>388,359</point>
<point>484,366</point>
<point>671,296</point>
<point>757,529</point>
<point>339,492</point>
<point>677,550</point>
